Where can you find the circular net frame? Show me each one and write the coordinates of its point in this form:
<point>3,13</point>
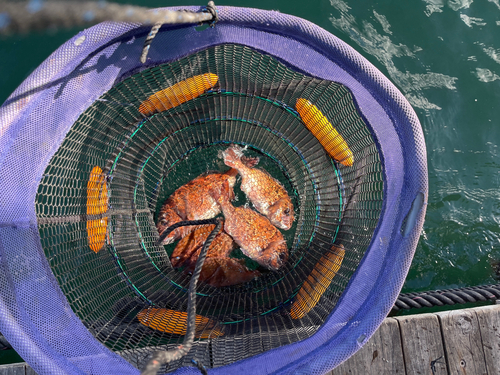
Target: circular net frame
<point>68,309</point>
<point>145,159</point>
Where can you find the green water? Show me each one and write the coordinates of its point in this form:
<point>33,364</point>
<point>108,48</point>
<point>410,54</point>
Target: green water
<point>444,56</point>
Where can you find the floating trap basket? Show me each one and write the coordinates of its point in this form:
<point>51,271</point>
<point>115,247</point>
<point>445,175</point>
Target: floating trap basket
<point>94,142</point>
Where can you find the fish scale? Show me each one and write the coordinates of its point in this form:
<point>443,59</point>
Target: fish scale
<point>191,202</point>
<point>266,193</point>
<point>219,269</point>
<point>254,233</point>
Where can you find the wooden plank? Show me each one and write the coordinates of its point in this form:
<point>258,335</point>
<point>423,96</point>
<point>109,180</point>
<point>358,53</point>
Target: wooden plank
<point>462,342</point>
<point>489,325</point>
<point>382,354</point>
<point>423,348</point>
<point>16,369</point>
<point>13,369</point>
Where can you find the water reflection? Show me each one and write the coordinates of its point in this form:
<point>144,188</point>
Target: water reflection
<point>386,51</point>
<point>472,21</point>
<point>486,75</point>
<point>443,55</point>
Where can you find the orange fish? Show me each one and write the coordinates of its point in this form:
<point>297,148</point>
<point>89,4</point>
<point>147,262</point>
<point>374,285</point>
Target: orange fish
<point>219,269</point>
<point>317,282</point>
<point>192,202</point>
<point>175,322</point>
<point>188,249</point>
<point>266,193</point>
<point>254,233</point>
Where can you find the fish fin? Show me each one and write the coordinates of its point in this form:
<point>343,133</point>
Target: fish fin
<point>250,162</point>
<point>221,193</point>
<point>232,172</point>
<point>274,255</point>
<point>184,250</point>
<point>227,271</point>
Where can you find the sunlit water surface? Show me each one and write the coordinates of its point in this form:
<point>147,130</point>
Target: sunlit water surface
<point>445,58</point>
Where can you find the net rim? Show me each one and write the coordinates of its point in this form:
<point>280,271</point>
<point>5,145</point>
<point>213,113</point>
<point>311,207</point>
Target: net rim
<point>395,105</point>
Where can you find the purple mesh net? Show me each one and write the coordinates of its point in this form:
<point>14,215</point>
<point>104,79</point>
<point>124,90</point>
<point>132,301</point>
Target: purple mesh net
<point>35,315</point>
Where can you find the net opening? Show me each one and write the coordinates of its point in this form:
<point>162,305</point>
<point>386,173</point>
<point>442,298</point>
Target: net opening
<point>115,271</point>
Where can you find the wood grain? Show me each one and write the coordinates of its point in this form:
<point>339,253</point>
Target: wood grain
<point>422,344</point>
<point>382,354</point>
<point>489,325</point>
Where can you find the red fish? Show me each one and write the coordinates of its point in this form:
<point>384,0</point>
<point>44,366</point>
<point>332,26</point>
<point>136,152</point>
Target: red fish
<point>266,193</point>
<point>220,272</point>
<point>219,269</point>
<point>254,233</point>
<point>192,202</point>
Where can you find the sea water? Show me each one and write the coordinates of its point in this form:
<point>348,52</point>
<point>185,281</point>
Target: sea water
<point>444,56</point>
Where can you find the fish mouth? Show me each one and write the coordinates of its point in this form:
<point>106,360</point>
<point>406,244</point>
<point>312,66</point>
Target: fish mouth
<point>285,225</point>
<point>271,266</point>
<point>167,240</point>
<point>275,262</point>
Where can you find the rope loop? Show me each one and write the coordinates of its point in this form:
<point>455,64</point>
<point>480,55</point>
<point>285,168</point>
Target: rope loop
<point>167,231</point>
<point>213,11</point>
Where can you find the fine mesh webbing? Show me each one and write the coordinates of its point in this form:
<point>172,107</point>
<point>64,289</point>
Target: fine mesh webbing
<point>146,159</point>
<point>38,245</point>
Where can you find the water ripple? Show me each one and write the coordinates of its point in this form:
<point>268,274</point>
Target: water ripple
<point>470,21</point>
<point>436,6</point>
<point>386,51</point>
<point>423,56</point>
<point>486,75</point>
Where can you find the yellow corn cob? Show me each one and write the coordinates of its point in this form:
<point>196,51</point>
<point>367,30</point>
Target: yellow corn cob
<point>317,282</point>
<point>175,322</point>
<point>324,131</point>
<point>177,94</point>
<point>97,203</point>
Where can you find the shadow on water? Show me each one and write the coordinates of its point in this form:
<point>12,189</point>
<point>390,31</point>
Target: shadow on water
<point>117,59</point>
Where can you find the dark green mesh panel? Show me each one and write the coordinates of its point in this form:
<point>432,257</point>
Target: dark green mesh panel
<point>146,159</point>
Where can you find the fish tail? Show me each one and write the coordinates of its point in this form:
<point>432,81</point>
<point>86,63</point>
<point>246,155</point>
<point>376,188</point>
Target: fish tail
<point>232,172</point>
<point>232,157</point>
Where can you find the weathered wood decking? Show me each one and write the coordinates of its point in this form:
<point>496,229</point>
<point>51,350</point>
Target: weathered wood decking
<point>452,342</point>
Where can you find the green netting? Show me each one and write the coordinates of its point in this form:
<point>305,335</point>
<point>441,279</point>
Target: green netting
<point>146,159</point>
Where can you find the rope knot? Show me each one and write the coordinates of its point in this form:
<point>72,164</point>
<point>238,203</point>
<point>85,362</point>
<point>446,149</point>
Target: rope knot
<point>213,11</point>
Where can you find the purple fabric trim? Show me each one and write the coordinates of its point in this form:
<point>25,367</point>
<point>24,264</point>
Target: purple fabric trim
<point>40,121</point>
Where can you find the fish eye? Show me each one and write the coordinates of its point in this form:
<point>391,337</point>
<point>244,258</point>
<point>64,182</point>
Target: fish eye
<point>163,222</point>
<point>282,256</point>
<point>287,211</point>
